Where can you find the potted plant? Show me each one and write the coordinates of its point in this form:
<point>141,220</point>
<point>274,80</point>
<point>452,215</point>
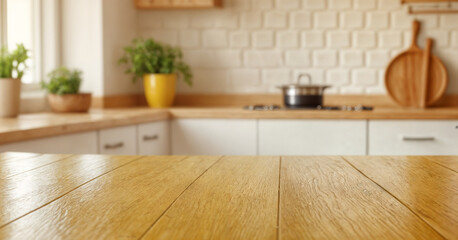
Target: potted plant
<point>12,67</point>
<point>158,64</point>
<point>63,89</point>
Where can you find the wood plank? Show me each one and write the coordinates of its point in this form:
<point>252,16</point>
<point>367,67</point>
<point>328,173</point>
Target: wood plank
<point>25,192</point>
<point>236,199</point>
<point>446,161</point>
<point>428,189</point>
<point>325,198</point>
<point>120,204</point>
<point>16,163</point>
<point>18,155</point>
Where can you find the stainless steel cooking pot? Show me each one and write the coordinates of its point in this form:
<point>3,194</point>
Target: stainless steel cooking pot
<point>303,96</point>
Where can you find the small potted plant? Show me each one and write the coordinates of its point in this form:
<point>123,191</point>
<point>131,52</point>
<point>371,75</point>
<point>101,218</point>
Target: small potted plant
<point>12,67</point>
<point>63,88</point>
<point>158,65</point>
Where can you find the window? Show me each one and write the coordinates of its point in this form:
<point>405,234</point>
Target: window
<point>20,23</point>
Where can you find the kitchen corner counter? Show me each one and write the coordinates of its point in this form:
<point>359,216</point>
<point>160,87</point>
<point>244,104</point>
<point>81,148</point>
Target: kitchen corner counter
<point>39,125</point>
<point>227,197</point>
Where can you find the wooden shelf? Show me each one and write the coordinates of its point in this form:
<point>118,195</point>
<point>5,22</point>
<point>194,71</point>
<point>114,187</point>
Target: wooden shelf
<point>177,4</point>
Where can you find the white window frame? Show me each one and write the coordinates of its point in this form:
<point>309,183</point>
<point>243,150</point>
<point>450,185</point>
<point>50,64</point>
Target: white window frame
<point>48,42</point>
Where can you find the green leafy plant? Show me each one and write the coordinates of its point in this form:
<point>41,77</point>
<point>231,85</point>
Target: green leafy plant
<point>148,56</point>
<point>63,81</point>
<point>12,64</point>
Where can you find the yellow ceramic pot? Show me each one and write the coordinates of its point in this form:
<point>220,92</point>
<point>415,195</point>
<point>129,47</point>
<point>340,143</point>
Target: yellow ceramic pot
<point>160,89</point>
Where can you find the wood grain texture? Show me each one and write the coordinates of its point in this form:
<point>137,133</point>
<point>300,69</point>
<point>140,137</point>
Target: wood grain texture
<point>119,205</point>
<point>403,76</point>
<point>25,192</point>
<point>428,189</point>
<point>325,198</point>
<point>16,163</point>
<point>446,161</point>
<point>235,199</point>
<point>177,4</point>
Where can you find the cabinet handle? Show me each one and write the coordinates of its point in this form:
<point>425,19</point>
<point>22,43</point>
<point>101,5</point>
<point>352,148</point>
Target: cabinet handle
<point>114,146</point>
<point>150,137</point>
<point>406,138</point>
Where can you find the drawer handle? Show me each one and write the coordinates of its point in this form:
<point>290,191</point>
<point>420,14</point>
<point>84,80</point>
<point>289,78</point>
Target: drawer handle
<point>406,138</point>
<point>114,146</point>
<point>150,137</point>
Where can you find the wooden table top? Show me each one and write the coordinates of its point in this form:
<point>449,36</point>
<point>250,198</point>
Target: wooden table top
<point>45,196</point>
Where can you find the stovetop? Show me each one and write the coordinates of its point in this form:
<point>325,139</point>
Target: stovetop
<point>261,107</point>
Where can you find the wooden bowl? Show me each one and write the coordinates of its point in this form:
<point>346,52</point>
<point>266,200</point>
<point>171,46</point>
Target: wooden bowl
<point>80,102</point>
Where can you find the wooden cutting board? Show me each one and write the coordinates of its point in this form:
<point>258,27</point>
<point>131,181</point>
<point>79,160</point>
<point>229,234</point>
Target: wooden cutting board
<point>405,80</point>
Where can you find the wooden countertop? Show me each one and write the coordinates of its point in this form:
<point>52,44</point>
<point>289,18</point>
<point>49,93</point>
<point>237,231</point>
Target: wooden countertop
<point>39,125</point>
<point>230,197</point>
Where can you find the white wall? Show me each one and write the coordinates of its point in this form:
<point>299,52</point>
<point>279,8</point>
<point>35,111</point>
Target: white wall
<point>82,41</point>
<point>119,28</point>
<point>251,46</point>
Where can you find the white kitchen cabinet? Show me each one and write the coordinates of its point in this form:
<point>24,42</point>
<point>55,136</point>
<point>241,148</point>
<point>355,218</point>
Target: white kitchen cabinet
<point>118,141</point>
<point>413,137</point>
<point>153,138</point>
<point>78,143</point>
<point>213,137</point>
<point>312,137</point>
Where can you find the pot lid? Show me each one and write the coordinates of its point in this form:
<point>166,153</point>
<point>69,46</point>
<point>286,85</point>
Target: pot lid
<point>299,85</point>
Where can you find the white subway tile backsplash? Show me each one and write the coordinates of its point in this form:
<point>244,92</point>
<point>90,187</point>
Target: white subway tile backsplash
<point>276,19</point>
<point>338,39</point>
<point>276,77</point>
<point>325,58</point>
<point>377,58</point>
<point>226,59</point>
<point>245,77</point>
<point>338,77</point>
<point>352,19</point>
<point>377,20</point>
<point>313,39</point>
<point>364,39</point>
<point>266,58</point>
<point>301,20</point>
<point>400,20</point>
<point>262,4</point>
<point>251,20</point>
<point>455,39</point>
<point>390,39</point>
<point>263,39</point>
<point>340,4</point>
<point>325,20</point>
<point>449,21</point>
<point>167,36</point>
<point>215,39</point>
<point>365,77</point>
<point>389,4</point>
<point>189,39</point>
<point>177,22</point>
<point>287,39</point>
<point>240,39</point>
<point>251,46</point>
<point>288,4</point>
<point>298,58</point>
<point>365,4</point>
<point>352,58</point>
<point>313,4</point>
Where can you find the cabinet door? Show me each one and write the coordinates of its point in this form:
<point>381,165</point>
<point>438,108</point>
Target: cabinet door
<point>213,137</point>
<point>153,138</point>
<point>118,141</point>
<point>312,137</point>
<point>78,143</point>
<point>413,137</point>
